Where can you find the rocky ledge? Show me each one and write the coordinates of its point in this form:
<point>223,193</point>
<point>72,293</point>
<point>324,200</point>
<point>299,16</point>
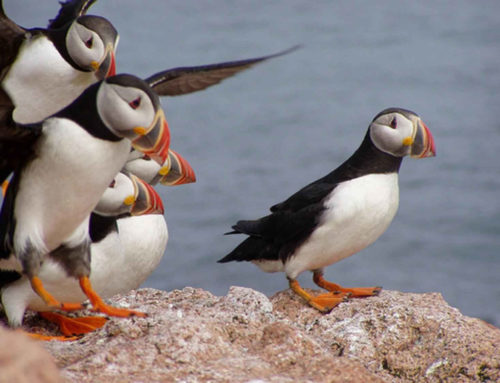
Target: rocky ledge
<point>191,335</point>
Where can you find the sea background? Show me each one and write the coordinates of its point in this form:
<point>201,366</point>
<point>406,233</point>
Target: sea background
<point>258,137</point>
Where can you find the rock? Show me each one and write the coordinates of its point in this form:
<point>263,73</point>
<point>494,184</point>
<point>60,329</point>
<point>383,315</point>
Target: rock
<point>23,360</point>
<point>191,335</point>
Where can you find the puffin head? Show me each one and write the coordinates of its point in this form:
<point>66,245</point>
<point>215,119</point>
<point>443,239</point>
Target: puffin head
<point>128,194</point>
<point>400,132</point>
<point>129,108</point>
<point>174,171</point>
<point>91,42</point>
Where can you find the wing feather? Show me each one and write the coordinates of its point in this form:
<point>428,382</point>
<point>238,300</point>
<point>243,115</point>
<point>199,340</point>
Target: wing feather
<point>184,80</point>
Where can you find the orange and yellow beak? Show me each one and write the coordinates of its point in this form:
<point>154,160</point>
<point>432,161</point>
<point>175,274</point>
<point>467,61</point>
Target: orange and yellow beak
<point>147,200</point>
<point>154,141</point>
<point>176,170</point>
<point>107,67</point>
<point>423,142</point>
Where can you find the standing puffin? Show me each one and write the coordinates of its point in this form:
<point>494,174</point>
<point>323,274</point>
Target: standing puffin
<point>43,70</point>
<point>62,166</point>
<point>128,234</point>
<point>340,214</point>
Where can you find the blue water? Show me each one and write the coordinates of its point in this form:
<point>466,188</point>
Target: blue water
<point>257,138</point>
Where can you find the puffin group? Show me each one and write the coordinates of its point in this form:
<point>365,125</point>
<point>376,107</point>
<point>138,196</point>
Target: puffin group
<point>82,148</point>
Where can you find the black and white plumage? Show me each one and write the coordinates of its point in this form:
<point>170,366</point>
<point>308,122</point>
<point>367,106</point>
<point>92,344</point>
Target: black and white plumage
<point>340,214</point>
<point>44,69</point>
<point>129,236</point>
<point>63,165</point>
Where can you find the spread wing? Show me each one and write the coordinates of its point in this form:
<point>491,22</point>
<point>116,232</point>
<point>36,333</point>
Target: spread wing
<point>184,80</point>
<point>11,37</point>
<point>69,11</point>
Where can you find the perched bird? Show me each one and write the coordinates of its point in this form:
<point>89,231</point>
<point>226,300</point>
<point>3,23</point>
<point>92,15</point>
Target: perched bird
<point>61,167</point>
<point>129,236</point>
<point>340,214</point>
<point>174,171</point>
<point>44,69</point>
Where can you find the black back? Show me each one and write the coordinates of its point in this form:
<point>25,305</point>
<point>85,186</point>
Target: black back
<point>70,11</point>
<point>100,226</point>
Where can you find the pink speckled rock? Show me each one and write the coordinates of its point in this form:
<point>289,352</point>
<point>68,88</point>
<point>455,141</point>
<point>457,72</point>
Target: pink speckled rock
<point>194,336</point>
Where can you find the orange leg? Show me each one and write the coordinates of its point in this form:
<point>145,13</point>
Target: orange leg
<point>98,304</point>
<point>74,326</point>
<point>355,291</point>
<point>37,286</point>
<point>5,185</point>
<point>49,337</point>
<point>324,302</point>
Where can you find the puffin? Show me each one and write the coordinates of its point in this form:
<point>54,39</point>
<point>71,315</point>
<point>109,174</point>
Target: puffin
<point>44,69</point>
<point>174,171</point>
<point>127,232</point>
<point>61,167</point>
<point>339,214</point>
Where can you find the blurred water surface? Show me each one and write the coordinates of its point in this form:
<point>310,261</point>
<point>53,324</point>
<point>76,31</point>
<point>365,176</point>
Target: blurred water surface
<point>257,138</point>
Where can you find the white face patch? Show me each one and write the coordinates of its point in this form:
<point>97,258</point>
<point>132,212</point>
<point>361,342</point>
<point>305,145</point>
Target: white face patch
<point>84,46</point>
<point>112,200</point>
<point>124,108</point>
<point>391,133</point>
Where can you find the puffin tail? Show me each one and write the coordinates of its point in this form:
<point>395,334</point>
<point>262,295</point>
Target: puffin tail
<point>251,249</point>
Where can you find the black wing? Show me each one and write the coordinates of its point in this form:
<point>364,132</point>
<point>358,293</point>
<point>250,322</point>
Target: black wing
<point>184,80</point>
<point>16,141</point>
<point>11,37</point>
<point>70,10</point>
<point>310,194</point>
<point>16,147</point>
<point>275,236</point>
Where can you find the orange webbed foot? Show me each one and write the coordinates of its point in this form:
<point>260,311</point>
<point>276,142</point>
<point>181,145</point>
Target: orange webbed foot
<point>75,326</point>
<point>355,292</point>
<point>98,305</point>
<point>37,286</point>
<point>59,338</point>
<point>323,302</point>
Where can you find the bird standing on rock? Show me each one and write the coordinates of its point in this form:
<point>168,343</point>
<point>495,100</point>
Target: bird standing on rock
<point>340,214</point>
<point>129,236</point>
<point>61,168</point>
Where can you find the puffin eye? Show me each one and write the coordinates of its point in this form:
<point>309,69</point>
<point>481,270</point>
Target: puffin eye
<point>394,123</point>
<point>89,42</point>
<point>135,103</point>
<point>112,184</point>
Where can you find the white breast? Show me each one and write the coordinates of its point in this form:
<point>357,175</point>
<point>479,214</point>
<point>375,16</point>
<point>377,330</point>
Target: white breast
<point>143,240</point>
<point>357,213</point>
<point>41,82</point>
<point>119,263</point>
<point>60,187</point>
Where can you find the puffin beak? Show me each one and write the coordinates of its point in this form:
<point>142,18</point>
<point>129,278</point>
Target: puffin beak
<point>423,142</point>
<point>147,201</point>
<point>176,170</point>
<point>154,141</point>
<point>107,67</point>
